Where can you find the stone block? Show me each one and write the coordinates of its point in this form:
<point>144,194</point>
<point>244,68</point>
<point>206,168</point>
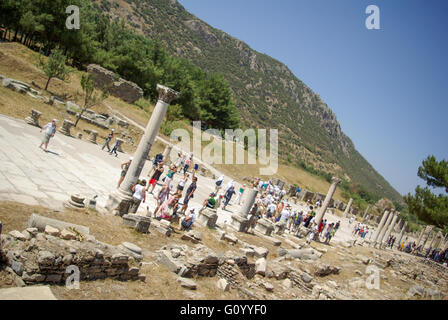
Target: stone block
<point>52,231</point>
<point>17,235</point>
<point>187,283</point>
<point>264,226</point>
<point>223,285</point>
<point>139,223</point>
<point>208,218</point>
<point>261,266</point>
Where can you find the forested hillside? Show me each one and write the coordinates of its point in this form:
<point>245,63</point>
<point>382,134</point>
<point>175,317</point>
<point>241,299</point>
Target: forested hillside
<point>222,81</point>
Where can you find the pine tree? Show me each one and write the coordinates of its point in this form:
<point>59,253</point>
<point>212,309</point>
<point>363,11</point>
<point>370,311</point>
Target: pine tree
<point>429,207</point>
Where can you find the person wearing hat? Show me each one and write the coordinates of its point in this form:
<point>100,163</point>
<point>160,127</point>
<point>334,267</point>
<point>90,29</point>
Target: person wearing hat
<point>50,130</point>
<point>124,169</point>
<point>188,221</point>
<point>210,202</point>
<point>108,139</point>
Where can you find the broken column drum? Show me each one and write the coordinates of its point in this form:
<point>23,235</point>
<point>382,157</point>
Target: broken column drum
<point>92,136</point>
<point>34,118</point>
<point>65,129</point>
<point>347,209</point>
<point>239,220</point>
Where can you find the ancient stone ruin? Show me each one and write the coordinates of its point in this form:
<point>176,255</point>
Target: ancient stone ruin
<point>44,257</point>
<point>118,87</point>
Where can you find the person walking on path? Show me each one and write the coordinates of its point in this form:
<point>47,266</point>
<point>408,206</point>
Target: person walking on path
<point>240,194</point>
<point>115,148</point>
<point>50,130</point>
<point>108,139</point>
<point>218,184</point>
<point>190,192</point>
<point>124,169</point>
<point>228,196</point>
<point>138,196</point>
<point>155,177</point>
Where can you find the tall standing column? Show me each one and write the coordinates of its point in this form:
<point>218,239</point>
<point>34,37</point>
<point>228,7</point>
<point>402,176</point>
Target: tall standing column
<point>420,237</point>
<point>365,213</point>
<point>380,226</point>
<point>402,234</point>
<point>320,215</point>
<point>385,227</point>
<point>347,209</point>
<point>240,220</point>
<point>391,227</point>
<point>166,154</point>
<point>120,200</point>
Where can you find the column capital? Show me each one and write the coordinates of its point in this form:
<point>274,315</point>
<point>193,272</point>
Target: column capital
<point>166,94</point>
<point>335,180</point>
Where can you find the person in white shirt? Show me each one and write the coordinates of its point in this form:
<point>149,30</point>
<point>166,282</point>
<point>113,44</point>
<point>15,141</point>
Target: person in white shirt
<point>286,213</point>
<point>50,130</point>
<point>188,221</point>
<point>138,195</point>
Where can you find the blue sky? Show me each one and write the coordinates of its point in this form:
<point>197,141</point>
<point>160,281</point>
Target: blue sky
<point>388,87</point>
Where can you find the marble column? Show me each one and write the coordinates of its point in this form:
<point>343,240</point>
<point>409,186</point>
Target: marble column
<point>385,228</point>
<point>166,154</point>
<point>426,235</point>
<point>438,240</point>
<point>398,242</point>
<point>120,200</point>
<point>420,237</point>
<point>391,227</point>
<point>347,209</point>
<point>239,220</point>
<point>321,213</point>
<point>366,213</point>
<point>380,226</point>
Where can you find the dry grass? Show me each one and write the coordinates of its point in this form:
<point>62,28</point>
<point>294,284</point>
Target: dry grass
<point>160,282</point>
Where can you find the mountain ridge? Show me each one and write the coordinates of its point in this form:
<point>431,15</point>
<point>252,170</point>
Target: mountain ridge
<point>266,91</point>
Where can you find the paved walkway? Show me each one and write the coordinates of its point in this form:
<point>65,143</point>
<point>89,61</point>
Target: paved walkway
<point>31,176</point>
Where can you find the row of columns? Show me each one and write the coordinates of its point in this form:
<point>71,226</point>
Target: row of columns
<point>386,227</point>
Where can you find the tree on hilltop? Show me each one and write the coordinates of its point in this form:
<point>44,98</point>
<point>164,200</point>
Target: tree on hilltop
<point>429,207</point>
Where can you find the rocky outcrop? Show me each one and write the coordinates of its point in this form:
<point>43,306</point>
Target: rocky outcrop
<point>118,87</point>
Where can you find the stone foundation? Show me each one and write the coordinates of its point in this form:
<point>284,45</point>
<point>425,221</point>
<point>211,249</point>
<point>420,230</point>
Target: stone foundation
<point>139,223</point>
<point>208,218</point>
<point>264,226</point>
<point>41,258</point>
